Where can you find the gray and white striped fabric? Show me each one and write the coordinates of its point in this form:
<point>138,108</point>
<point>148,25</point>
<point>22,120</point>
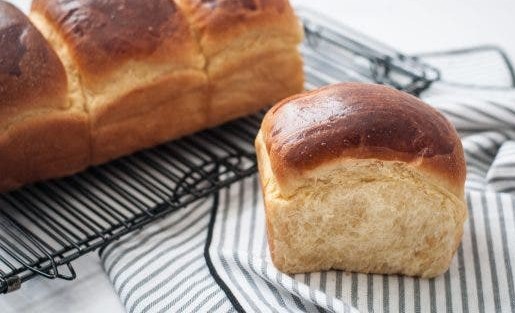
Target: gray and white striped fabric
<point>213,256</point>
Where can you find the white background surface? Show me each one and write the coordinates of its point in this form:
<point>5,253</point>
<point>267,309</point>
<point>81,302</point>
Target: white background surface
<point>410,25</point>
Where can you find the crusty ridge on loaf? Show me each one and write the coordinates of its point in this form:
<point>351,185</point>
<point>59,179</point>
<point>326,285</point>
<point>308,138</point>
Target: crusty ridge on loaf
<point>354,178</point>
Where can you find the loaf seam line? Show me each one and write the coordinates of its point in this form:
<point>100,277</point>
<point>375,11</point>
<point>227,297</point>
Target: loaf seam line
<point>82,105</point>
<point>86,111</point>
<point>205,68</point>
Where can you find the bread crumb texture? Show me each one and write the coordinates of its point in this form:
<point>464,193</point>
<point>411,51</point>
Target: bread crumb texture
<point>367,215</point>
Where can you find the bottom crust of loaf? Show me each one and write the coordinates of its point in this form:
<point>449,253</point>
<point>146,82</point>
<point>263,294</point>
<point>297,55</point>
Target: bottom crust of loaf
<point>368,216</point>
<point>150,129</point>
<point>149,116</point>
<point>48,145</point>
<point>257,83</point>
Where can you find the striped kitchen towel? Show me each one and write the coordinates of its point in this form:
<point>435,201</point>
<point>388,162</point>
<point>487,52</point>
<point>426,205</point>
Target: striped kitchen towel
<point>213,256</point>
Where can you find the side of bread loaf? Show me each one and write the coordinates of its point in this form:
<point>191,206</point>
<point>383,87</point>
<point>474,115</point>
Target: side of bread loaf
<point>132,74</point>
<point>251,52</point>
<point>42,134</point>
<point>361,178</point>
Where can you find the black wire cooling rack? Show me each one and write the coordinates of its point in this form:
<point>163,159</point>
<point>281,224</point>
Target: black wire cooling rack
<point>45,226</point>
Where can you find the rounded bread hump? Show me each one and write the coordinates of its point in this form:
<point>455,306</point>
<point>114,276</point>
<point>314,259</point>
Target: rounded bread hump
<point>220,21</point>
<point>31,75</point>
<point>361,121</point>
<point>103,34</point>
<point>224,14</point>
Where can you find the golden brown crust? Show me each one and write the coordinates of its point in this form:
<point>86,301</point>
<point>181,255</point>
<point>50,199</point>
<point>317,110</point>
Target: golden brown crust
<point>219,22</point>
<point>31,75</point>
<point>231,99</point>
<point>361,121</point>
<point>150,114</point>
<point>48,145</point>
<point>251,48</point>
<point>139,67</point>
<point>102,35</point>
<point>41,136</point>
<point>136,74</point>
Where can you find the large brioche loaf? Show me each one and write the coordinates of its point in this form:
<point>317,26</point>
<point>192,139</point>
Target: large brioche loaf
<point>362,178</point>
<point>132,74</point>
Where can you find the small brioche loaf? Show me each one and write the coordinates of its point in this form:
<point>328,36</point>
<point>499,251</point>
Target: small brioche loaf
<point>131,74</point>
<point>364,178</point>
